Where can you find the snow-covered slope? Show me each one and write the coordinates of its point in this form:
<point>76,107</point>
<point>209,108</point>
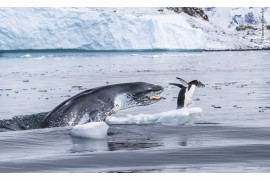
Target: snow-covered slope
<point>229,18</point>
<point>88,29</point>
<point>235,28</point>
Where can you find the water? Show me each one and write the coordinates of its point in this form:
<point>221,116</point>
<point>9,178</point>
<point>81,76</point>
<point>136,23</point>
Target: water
<point>230,135</point>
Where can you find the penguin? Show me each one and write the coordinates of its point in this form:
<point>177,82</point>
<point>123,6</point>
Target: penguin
<point>186,92</point>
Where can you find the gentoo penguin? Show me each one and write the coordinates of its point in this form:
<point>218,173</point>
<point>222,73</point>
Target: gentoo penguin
<point>186,92</point>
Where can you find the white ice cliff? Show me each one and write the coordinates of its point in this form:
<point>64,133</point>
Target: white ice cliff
<point>67,28</point>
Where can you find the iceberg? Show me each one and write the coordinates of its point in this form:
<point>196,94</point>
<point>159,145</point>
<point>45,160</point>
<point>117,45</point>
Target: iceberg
<point>84,29</point>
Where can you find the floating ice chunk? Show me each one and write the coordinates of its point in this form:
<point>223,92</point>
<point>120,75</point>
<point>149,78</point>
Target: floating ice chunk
<point>40,58</point>
<point>156,56</point>
<point>94,130</point>
<point>26,56</point>
<point>194,110</point>
<point>174,117</point>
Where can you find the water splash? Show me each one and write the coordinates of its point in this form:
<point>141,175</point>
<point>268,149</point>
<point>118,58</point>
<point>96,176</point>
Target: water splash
<point>23,122</point>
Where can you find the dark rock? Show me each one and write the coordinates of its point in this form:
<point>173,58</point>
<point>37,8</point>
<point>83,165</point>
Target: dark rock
<point>242,27</point>
<point>192,11</point>
<point>42,91</point>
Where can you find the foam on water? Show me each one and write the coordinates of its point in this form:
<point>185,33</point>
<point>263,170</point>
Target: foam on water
<point>93,130</point>
<point>26,56</point>
<point>173,117</point>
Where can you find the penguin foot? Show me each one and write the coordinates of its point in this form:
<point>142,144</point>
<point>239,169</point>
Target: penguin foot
<point>189,104</point>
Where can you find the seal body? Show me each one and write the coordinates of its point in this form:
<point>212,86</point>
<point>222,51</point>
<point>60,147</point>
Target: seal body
<point>98,103</point>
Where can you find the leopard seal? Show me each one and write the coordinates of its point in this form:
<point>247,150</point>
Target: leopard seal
<point>98,103</point>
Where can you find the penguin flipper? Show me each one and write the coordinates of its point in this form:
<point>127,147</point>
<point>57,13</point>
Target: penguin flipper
<point>185,84</point>
<point>178,85</point>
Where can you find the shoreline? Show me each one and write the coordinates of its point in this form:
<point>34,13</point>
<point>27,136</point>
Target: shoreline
<point>212,50</point>
<point>121,51</point>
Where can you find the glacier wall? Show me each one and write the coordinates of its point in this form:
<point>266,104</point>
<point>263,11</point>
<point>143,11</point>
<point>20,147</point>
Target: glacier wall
<point>67,28</point>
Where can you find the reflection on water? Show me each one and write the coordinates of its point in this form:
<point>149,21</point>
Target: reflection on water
<point>114,146</point>
<point>88,145</point>
<point>132,137</point>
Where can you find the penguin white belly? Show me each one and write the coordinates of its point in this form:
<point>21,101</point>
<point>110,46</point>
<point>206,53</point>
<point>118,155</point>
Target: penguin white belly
<point>188,95</point>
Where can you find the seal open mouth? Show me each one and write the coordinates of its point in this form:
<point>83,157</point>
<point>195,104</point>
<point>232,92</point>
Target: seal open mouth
<point>148,95</point>
<point>155,97</point>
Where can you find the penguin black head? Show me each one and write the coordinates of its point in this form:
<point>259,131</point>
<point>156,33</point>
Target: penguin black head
<point>186,84</point>
<point>196,83</point>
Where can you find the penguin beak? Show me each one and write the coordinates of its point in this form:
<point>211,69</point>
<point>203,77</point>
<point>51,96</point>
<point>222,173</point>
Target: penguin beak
<point>202,85</point>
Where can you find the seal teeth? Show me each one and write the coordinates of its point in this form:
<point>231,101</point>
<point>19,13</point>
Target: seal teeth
<point>155,97</point>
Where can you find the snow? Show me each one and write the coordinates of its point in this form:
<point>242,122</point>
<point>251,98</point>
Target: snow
<point>173,117</point>
<point>221,34</point>
<point>93,130</point>
<point>221,30</point>
<point>88,29</point>
<point>228,18</point>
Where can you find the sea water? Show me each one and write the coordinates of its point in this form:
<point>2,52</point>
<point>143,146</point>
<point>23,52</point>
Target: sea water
<point>226,128</point>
